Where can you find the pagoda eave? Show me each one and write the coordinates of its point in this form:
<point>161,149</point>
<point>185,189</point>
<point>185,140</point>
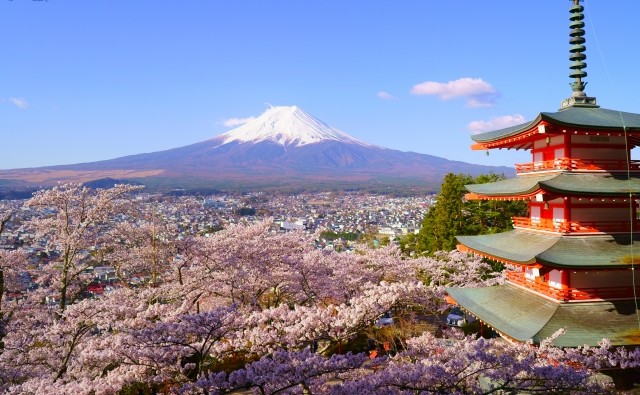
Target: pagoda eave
<point>560,184</point>
<point>523,139</point>
<point>475,196</point>
<point>523,247</point>
<point>528,263</point>
<point>524,316</point>
<point>574,120</point>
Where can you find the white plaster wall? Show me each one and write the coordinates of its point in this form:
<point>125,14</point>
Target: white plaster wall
<point>556,140</point>
<point>555,279</point>
<point>539,144</point>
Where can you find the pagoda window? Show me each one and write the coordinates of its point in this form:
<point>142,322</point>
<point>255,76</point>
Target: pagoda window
<point>558,279</point>
<point>532,273</point>
<point>555,279</point>
<point>558,216</point>
<point>558,153</point>
<point>535,214</point>
<point>537,156</point>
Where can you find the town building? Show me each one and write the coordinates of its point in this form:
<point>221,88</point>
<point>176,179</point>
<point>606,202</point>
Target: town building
<point>574,259</point>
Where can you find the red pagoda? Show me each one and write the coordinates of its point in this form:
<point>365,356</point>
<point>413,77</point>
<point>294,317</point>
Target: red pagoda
<point>575,256</point>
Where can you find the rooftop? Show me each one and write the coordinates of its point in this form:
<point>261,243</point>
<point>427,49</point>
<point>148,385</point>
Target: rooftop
<point>526,247</point>
<point>571,118</point>
<point>524,316</point>
<point>571,184</point>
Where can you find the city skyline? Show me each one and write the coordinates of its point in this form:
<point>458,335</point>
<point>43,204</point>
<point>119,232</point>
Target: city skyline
<point>93,81</point>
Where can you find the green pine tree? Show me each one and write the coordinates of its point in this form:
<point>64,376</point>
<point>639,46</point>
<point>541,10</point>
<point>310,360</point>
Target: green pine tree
<point>452,216</point>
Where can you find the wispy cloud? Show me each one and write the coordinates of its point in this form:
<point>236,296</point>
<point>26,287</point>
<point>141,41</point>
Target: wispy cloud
<point>476,91</point>
<point>19,102</point>
<point>385,95</point>
<point>237,121</point>
<point>496,123</point>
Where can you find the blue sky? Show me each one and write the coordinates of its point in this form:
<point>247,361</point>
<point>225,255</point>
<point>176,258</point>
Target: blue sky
<point>88,80</point>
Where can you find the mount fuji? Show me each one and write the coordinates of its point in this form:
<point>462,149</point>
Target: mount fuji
<point>283,147</point>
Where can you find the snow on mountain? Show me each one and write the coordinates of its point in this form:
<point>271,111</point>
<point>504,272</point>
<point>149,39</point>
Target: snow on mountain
<point>287,126</point>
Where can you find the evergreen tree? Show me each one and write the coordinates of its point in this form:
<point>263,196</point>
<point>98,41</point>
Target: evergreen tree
<point>452,216</point>
<point>445,219</point>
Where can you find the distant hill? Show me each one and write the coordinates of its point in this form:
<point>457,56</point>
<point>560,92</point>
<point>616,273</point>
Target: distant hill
<point>283,148</point>
<point>108,182</point>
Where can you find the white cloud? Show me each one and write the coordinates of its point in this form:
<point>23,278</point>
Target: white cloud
<point>237,121</point>
<point>482,101</point>
<point>19,102</point>
<point>478,92</point>
<point>496,123</point>
<point>385,95</point>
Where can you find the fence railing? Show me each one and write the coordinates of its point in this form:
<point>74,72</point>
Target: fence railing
<point>569,164</point>
<point>561,226</point>
<point>569,294</point>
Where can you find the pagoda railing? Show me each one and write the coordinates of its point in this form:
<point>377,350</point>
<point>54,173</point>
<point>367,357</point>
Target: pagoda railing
<point>561,226</point>
<point>569,164</point>
<point>571,294</point>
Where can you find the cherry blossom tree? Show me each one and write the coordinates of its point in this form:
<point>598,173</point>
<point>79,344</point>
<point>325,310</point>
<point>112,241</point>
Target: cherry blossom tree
<point>280,372</point>
<point>11,289</point>
<point>457,269</point>
<point>142,250</point>
<point>248,308</point>
<point>12,265</point>
<point>452,365</point>
<point>247,264</point>
<point>72,219</point>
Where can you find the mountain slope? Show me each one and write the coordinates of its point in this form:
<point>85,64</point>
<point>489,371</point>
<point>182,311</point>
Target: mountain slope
<point>285,145</point>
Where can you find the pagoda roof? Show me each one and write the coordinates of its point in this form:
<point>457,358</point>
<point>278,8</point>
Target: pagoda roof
<point>571,117</point>
<point>524,316</point>
<point>565,183</point>
<point>526,248</point>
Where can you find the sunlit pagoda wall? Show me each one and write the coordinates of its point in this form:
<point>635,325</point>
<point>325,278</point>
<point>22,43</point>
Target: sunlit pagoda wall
<point>580,147</point>
<point>554,148</point>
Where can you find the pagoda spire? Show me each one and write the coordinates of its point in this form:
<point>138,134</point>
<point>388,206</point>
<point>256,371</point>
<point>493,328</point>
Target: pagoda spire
<point>577,56</point>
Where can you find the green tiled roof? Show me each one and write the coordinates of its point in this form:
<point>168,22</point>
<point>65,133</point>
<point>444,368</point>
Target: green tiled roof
<point>517,246</point>
<point>593,252</point>
<point>586,184</point>
<point>525,316</point>
<point>588,323</point>
<point>509,310</point>
<point>593,118</point>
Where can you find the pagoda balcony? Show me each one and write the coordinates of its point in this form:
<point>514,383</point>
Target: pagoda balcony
<point>568,164</point>
<point>561,226</point>
<point>543,288</point>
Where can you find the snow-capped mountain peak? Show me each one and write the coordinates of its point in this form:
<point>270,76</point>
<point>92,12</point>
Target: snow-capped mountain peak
<point>287,125</point>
